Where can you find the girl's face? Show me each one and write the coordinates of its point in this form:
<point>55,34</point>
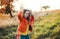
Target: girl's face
<point>26,14</point>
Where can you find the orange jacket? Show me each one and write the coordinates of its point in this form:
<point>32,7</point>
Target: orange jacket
<point>24,22</point>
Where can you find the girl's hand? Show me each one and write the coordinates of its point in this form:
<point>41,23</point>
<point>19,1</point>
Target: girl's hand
<point>18,36</point>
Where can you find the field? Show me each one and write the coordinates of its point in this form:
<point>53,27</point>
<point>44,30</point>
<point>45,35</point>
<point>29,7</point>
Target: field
<point>45,27</point>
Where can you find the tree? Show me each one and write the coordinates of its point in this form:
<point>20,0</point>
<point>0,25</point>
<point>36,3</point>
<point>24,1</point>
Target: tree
<point>45,7</point>
<point>4,2</point>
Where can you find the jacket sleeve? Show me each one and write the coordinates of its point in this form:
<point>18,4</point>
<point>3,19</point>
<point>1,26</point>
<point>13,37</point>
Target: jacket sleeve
<point>20,16</point>
<point>32,20</point>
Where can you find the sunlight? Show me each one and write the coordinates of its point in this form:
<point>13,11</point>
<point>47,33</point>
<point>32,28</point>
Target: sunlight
<point>36,5</point>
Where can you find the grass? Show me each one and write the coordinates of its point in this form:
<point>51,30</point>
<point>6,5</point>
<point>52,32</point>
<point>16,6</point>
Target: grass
<point>8,32</point>
<point>46,27</point>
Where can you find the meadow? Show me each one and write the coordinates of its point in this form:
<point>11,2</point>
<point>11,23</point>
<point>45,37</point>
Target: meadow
<point>45,27</point>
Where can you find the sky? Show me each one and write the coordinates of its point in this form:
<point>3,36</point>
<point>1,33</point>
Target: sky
<point>35,5</point>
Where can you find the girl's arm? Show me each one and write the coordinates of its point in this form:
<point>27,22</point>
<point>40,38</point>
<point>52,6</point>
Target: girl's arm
<point>32,20</point>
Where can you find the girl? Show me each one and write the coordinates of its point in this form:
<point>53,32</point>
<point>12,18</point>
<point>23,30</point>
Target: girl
<point>26,23</point>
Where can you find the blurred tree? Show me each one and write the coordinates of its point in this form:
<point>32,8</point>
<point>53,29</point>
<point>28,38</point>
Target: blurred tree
<point>45,7</point>
<point>4,2</point>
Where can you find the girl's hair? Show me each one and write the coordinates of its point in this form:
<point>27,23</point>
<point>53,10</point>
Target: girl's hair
<point>28,18</point>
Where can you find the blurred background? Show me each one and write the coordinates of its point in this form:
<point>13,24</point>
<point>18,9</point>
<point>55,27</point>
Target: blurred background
<point>46,13</point>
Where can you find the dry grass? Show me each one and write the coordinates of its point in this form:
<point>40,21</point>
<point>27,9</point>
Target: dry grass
<point>6,20</point>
